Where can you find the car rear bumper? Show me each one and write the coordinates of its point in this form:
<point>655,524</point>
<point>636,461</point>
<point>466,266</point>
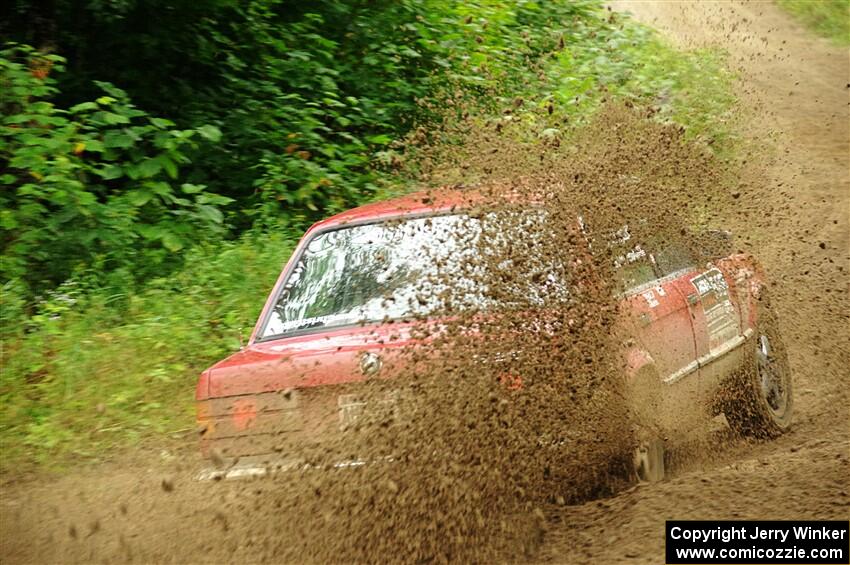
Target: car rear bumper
<point>263,465</point>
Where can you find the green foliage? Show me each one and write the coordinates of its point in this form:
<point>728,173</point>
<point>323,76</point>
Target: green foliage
<point>829,18</point>
<point>615,57</point>
<point>94,186</point>
<point>316,95</point>
<point>305,94</point>
<point>93,371</point>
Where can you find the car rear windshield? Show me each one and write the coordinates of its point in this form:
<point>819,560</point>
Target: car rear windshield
<point>401,269</point>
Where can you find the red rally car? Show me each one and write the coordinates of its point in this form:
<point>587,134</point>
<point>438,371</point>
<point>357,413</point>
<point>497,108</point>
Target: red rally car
<point>325,326</point>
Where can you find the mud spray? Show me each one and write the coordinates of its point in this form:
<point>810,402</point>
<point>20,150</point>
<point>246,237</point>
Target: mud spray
<point>521,403</point>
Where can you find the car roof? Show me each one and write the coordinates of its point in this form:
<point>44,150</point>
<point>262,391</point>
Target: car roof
<point>432,201</point>
<point>435,201</point>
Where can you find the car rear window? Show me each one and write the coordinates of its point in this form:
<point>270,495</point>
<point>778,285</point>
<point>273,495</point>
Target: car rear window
<point>375,272</point>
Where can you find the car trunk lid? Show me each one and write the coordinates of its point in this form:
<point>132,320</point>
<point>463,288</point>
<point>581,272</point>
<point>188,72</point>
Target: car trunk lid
<point>281,396</point>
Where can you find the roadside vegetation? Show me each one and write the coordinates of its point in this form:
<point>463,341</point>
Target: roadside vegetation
<point>156,178</point>
<point>829,18</point>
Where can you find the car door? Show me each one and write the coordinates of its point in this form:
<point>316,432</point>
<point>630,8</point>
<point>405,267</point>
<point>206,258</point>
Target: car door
<point>717,325</point>
<point>715,313</point>
<point>663,328</point>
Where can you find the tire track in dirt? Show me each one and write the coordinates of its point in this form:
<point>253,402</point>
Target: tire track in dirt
<point>794,208</point>
<point>630,526</point>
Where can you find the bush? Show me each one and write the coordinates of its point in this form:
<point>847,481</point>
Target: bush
<point>96,186</point>
<point>94,370</point>
<point>829,18</point>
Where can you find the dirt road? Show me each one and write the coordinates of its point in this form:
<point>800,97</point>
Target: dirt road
<point>794,208</point>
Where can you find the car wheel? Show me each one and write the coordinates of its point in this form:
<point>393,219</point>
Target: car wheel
<point>761,402</point>
<point>649,461</point>
<point>645,395</point>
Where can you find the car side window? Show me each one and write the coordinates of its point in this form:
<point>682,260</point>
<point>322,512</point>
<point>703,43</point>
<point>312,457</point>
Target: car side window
<point>673,256</point>
<point>634,268</point>
<point>634,265</point>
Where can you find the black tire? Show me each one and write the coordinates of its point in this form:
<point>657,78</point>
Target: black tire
<point>645,392</point>
<point>649,461</point>
<point>759,400</point>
